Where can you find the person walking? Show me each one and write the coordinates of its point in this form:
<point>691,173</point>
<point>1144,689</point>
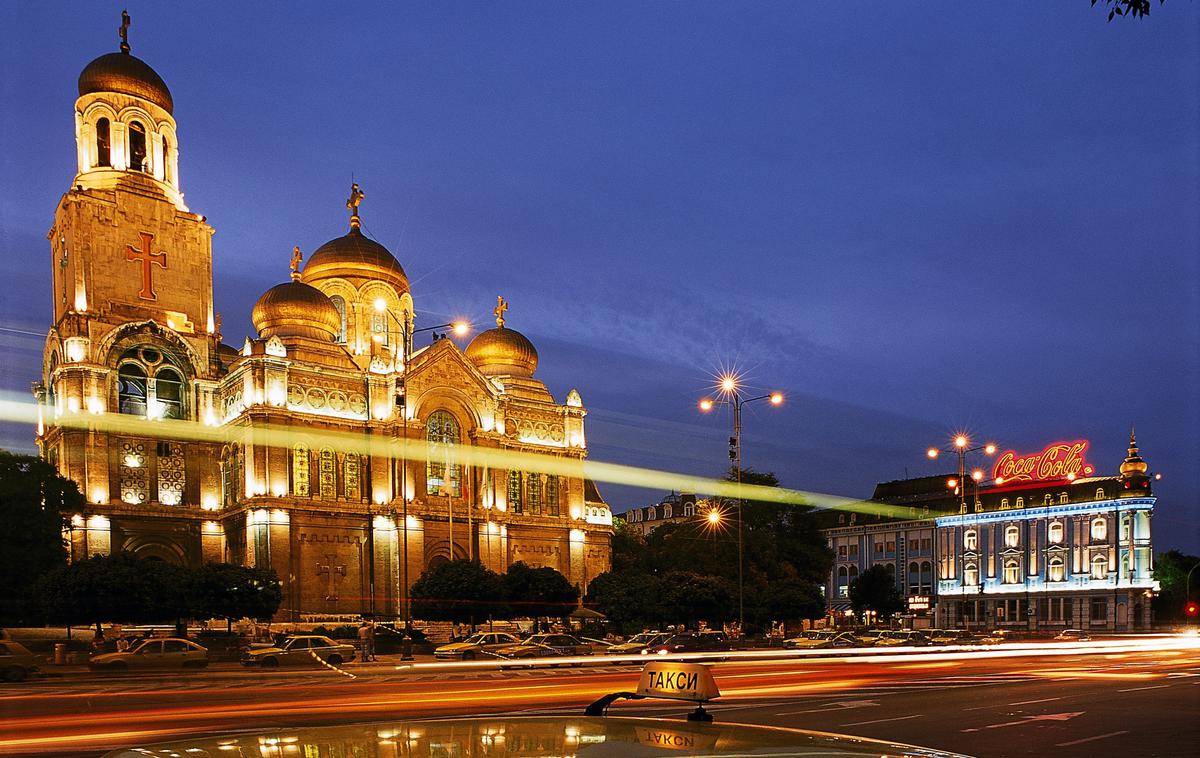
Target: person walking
<point>365,641</point>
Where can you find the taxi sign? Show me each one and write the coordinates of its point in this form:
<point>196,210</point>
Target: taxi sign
<point>674,680</point>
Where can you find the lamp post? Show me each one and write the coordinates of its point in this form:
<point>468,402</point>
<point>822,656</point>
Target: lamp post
<point>960,445</point>
<point>460,328</point>
<point>729,393</point>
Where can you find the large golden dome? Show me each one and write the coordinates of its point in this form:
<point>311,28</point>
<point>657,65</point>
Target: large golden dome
<point>355,256</point>
<point>294,309</point>
<point>128,75</point>
<point>503,352</point>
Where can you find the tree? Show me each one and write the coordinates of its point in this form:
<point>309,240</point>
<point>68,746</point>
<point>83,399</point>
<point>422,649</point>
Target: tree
<point>119,587</point>
<point>875,590</point>
<point>225,590</point>
<point>1130,8</point>
<point>33,499</point>
<point>690,597</point>
<point>629,599</point>
<point>538,592</point>
<point>1171,569</point>
<point>459,591</point>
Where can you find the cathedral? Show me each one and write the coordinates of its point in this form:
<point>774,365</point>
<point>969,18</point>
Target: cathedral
<point>330,446</point>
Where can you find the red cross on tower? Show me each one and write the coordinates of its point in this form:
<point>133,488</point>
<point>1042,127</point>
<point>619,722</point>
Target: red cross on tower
<point>147,259</point>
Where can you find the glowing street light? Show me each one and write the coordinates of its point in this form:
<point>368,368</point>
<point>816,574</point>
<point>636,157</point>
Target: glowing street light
<point>728,383</point>
<point>960,445</point>
<point>714,516</point>
<point>706,405</point>
<point>776,398</point>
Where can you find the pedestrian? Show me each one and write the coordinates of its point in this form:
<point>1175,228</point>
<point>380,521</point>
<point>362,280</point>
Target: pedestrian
<point>122,644</point>
<point>364,641</point>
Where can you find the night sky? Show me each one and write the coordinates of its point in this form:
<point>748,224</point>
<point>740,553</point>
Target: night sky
<point>911,218</point>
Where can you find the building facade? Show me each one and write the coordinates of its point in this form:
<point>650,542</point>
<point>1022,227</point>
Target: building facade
<point>674,508</point>
<point>1041,546</point>
<point>328,445</point>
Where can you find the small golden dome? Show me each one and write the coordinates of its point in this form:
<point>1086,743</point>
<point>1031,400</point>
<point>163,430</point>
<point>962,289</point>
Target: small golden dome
<point>294,309</point>
<point>355,256</point>
<point>1133,464</point>
<point>128,75</point>
<point>503,352</point>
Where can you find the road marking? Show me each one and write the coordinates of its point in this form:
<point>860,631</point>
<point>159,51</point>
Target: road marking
<point>840,705</point>
<point>1031,702</point>
<point>880,721</point>
<point>1153,687</point>
<point>1029,720</point>
<point>1091,739</point>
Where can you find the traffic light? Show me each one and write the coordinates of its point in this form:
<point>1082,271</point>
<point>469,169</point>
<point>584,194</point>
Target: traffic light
<point>1192,609</point>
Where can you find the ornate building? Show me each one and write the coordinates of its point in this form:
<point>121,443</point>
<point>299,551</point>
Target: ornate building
<point>303,449</point>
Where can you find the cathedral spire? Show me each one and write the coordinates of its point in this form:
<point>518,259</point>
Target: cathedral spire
<point>1133,464</point>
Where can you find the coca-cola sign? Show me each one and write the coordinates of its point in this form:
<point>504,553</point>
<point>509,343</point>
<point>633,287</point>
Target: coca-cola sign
<point>1061,460</point>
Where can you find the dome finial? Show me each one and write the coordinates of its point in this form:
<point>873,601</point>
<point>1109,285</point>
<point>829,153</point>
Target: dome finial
<point>124,32</point>
<point>501,307</point>
<point>356,198</point>
<point>297,256</point>
<point>1133,465</point>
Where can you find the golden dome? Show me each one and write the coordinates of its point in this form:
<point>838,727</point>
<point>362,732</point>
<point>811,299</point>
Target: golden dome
<point>355,256</point>
<point>503,352</point>
<point>128,75</point>
<point>294,309</point>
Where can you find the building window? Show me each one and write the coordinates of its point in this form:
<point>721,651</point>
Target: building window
<point>652,513</point>
<point>1003,503</point>
<point>379,327</point>
<point>853,549</point>
<point>326,474</point>
<point>300,475</point>
<point>841,551</point>
<point>1125,528</point>
<point>1056,570</point>
<point>172,475</point>
<point>514,493</point>
<point>914,578</point>
<point>131,390</point>
<point>351,476</point>
<point>970,540</point>
<point>879,548</point>
<point>1099,567</point>
<point>668,511</point>
<point>891,546</point>
<point>442,475</point>
<point>168,393</point>
<point>137,147</point>
<point>1048,499</point>
<point>1020,502</point>
<point>1012,536</point>
<point>1012,572</point>
<point>231,475</point>
<point>1100,494</point>
<point>843,582</point>
<point>1099,609</point>
<point>926,577</point>
<point>1054,532</point>
<point>103,143</point>
<point>553,503</point>
<point>166,159</point>
<point>1063,498</point>
<point>689,509</point>
<point>339,304</point>
<point>1099,528</point>
<point>533,493</point>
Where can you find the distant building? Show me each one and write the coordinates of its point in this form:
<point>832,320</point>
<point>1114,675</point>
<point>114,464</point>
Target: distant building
<point>674,508</point>
<point>1043,546</point>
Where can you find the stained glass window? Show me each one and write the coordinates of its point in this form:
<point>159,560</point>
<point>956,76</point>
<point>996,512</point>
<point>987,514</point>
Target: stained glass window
<point>350,474</point>
<point>552,502</point>
<point>339,303</point>
<point>168,391</point>
<point>533,494</point>
<point>300,473</point>
<point>327,474</point>
<point>171,473</point>
<point>131,389</point>
<point>514,492</point>
<point>442,475</point>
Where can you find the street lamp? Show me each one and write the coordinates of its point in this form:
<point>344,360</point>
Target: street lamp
<point>731,395</point>
<point>460,329</point>
<point>960,446</point>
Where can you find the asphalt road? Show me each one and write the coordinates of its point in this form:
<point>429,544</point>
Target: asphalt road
<point>984,703</point>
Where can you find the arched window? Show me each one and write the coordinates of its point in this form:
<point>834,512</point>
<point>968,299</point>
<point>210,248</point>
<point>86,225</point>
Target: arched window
<point>514,493</point>
<point>926,576</point>
<point>1064,498</point>
<point>103,143</point>
<point>971,575</point>
<point>1054,532</point>
<point>1099,528</point>
<point>327,473</point>
<point>689,508</point>
<point>168,392</point>
<point>651,513</point>
<point>300,472</point>
<point>1048,499</point>
<point>914,578</point>
<point>843,575</point>
<point>533,493</point>
<point>131,389</point>
<point>1056,569</point>
<point>1012,572</point>
<point>137,147</point>
<point>1003,503</point>
<point>352,476</point>
<point>553,504</point>
<point>970,540</point>
<point>1012,535</point>
<point>442,475</point>
<point>339,303</point>
<point>166,159</point>
<point>1099,567</point>
<point>853,573</point>
<point>51,395</point>
<point>1020,502</point>
<point>231,476</point>
<point>668,511</point>
<point>1100,494</point>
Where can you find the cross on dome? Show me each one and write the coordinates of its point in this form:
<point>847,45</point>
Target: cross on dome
<point>297,256</point>
<point>124,32</point>
<point>356,198</point>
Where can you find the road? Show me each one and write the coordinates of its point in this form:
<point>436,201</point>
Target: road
<point>1000,702</point>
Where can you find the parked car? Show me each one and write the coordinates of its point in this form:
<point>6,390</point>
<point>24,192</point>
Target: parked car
<point>690,642</point>
<point>869,637</point>
<point>157,653</point>
<point>1073,635</point>
<point>478,645</point>
<point>997,636</point>
<point>819,640</point>
<point>637,643</point>
<point>298,650</point>
<point>16,662</point>
<point>903,638</point>
<point>950,636</point>
<point>544,645</point>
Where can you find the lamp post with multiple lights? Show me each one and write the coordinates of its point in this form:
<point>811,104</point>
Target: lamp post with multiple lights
<point>960,445</point>
<point>729,393</point>
<point>460,329</point>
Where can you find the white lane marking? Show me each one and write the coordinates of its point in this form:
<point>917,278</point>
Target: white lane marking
<point>1029,720</point>
<point>836,706</point>
<point>1092,739</point>
<point>880,721</point>
<point>1137,689</point>
<point>1031,702</point>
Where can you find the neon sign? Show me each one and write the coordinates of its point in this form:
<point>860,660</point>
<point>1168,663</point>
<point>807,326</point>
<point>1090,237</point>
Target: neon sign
<point>1060,460</point>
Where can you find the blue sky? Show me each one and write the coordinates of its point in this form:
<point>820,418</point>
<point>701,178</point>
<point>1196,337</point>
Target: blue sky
<point>911,218</point>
